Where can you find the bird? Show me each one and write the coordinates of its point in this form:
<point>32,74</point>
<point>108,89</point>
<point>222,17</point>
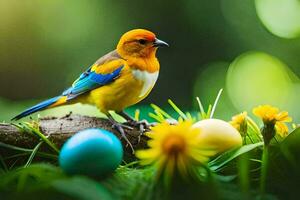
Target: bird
<point>117,80</point>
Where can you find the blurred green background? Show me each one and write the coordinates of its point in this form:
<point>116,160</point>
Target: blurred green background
<point>249,48</point>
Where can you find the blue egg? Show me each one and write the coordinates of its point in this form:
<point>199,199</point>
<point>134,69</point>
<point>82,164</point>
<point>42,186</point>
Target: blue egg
<point>92,152</point>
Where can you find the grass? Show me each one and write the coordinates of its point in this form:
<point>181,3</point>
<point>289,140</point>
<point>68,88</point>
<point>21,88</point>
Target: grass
<point>234,174</point>
<point>128,182</point>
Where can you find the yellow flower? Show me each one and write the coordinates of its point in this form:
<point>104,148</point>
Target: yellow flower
<point>282,129</point>
<point>271,115</point>
<point>174,148</point>
<point>240,122</point>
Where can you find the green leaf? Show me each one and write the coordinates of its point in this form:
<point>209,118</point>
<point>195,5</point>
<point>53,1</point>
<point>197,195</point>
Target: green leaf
<point>283,171</point>
<point>31,177</point>
<point>290,147</point>
<point>228,156</point>
<point>133,183</point>
<point>287,154</point>
<point>81,188</point>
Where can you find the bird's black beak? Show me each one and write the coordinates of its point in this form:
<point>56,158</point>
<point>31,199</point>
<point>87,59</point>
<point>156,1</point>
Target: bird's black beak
<point>160,43</point>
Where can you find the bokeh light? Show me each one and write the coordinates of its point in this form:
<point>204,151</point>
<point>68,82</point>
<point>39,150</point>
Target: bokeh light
<point>256,78</point>
<point>280,17</point>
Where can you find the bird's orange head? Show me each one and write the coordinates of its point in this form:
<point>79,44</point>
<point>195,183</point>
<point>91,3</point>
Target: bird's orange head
<point>139,43</point>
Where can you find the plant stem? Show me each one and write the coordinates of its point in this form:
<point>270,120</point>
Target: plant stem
<point>243,167</point>
<point>264,169</point>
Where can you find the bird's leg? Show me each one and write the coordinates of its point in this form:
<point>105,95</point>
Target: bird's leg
<point>143,125</point>
<point>119,127</point>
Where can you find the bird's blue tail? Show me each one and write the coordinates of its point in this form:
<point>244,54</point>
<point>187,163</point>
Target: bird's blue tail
<point>41,106</point>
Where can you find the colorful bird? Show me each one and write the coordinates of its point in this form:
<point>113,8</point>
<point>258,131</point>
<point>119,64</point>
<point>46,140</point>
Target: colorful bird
<point>116,81</point>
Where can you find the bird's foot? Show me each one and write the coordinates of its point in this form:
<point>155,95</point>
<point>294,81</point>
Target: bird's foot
<point>119,127</point>
<point>142,125</point>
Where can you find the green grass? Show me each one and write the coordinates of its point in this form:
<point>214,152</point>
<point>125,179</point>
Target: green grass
<point>235,174</point>
<point>130,181</point>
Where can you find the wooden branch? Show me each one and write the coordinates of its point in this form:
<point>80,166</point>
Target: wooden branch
<point>59,130</point>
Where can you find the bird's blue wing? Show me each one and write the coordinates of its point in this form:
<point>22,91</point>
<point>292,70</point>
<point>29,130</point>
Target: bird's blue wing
<point>90,80</point>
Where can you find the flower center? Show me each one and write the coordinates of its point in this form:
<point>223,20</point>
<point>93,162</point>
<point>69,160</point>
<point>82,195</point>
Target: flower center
<point>174,145</point>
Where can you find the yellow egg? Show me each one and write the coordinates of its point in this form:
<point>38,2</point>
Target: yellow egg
<point>218,134</point>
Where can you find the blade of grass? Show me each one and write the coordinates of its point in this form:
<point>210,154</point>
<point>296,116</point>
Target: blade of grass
<point>208,111</point>
<point>152,115</point>
<point>177,109</point>
<point>36,148</point>
<point>253,125</point>
<point>158,114</point>
<point>17,155</point>
<point>14,163</point>
<point>255,160</point>
<point>130,164</point>
<point>47,155</point>
<point>39,154</point>
<point>28,128</point>
<point>190,117</point>
<point>164,113</point>
<point>202,112</point>
<point>15,148</point>
<point>5,168</point>
<point>137,115</point>
<point>215,103</point>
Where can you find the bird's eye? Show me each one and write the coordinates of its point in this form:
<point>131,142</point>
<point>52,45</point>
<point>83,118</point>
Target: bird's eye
<point>142,41</point>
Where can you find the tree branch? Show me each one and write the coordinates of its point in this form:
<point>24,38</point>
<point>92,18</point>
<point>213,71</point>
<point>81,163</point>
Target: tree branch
<point>59,130</point>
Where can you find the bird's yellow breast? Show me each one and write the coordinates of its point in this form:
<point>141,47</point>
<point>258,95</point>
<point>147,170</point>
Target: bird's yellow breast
<point>132,86</point>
